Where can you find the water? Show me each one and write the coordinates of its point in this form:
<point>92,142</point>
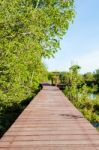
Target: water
<point>95,124</point>
<point>92,96</point>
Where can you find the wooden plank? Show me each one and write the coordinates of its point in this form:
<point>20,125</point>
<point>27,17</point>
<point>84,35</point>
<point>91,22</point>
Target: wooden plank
<point>50,122</point>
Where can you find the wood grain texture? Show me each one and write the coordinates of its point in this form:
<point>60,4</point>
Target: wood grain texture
<point>50,122</point>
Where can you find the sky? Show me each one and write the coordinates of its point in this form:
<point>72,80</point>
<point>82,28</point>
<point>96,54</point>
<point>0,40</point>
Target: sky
<point>80,45</point>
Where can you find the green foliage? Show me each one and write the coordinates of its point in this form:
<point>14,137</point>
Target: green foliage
<point>29,31</point>
<point>78,90</point>
<point>43,22</point>
<point>96,76</point>
<point>53,77</point>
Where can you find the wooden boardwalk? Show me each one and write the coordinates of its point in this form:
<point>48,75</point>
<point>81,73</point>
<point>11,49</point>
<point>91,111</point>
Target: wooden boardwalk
<point>50,122</point>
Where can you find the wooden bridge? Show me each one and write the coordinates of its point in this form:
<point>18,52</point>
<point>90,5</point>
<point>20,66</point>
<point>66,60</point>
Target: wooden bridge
<point>50,122</point>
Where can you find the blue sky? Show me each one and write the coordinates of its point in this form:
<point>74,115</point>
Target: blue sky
<point>81,43</point>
